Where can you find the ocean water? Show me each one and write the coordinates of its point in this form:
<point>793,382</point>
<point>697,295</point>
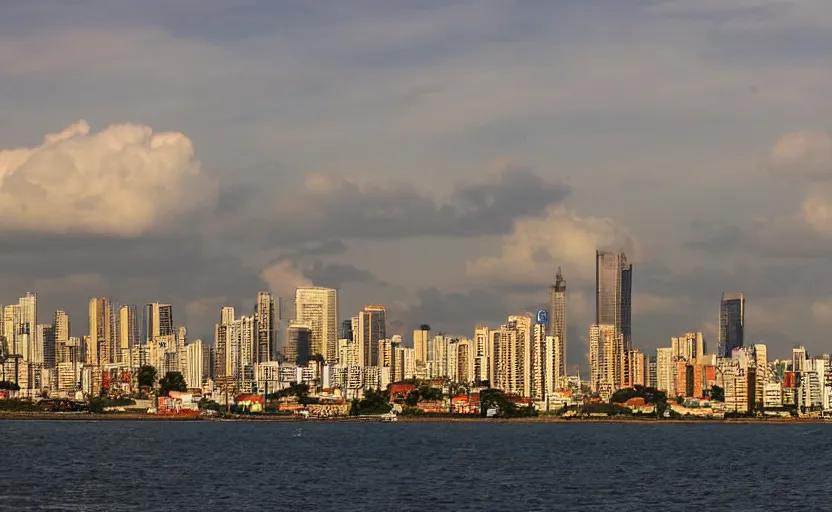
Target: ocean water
<point>206,466</point>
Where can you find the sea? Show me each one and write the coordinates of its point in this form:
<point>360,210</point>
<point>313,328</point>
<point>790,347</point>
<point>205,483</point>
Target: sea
<point>339,466</point>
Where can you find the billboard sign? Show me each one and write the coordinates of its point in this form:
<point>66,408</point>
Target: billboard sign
<point>542,316</point>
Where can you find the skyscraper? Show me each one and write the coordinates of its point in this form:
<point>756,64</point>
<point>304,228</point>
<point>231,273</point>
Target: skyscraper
<point>266,327</point>
<point>557,326</point>
<point>372,327</point>
<point>128,333</point>
<point>731,323</point>
<point>420,345</point>
<point>317,308</point>
<point>613,307</point>
<point>158,321</point>
<point>101,331</point>
<point>613,293</point>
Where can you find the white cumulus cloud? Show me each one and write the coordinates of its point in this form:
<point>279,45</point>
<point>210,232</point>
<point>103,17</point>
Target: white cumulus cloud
<point>536,246</point>
<point>124,180</point>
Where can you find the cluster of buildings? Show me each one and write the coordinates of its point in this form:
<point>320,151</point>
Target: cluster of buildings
<point>276,344</point>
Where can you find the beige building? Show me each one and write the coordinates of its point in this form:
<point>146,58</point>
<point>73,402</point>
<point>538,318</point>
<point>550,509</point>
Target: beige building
<point>317,308</point>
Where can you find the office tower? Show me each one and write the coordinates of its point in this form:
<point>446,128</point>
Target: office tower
<point>557,326</point>
<point>128,333</point>
<point>482,347</point>
<point>606,351</point>
<point>420,345</point>
<point>101,331</point>
<point>613,293</point>
<point>158,321</point>
<point>194,366</point>
<point>299,343</point>
<point>266,327</point>
<point>731,323</point>
<point>512,356</point>
<point>317,308</point>
<point>372,327</point>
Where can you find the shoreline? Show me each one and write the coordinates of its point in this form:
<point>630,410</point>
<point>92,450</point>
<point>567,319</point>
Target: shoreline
<point>347,419</point>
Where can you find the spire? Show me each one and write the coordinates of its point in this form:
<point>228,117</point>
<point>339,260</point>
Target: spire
<point>560,283</point>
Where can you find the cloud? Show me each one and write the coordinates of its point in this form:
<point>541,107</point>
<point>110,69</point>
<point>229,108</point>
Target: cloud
<point>336,275</point>
<point>333,206</point>
<point>803,155</point>
<point>537,245</point>
<point>283,277</point>
<point>822,310</point>
<point>125,180</point>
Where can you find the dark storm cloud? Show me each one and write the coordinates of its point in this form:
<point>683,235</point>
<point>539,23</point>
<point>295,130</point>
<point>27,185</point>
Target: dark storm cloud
<point>334,275</point>
<point>332,207</point>
<point>175,269</point>
<point>790,238</point>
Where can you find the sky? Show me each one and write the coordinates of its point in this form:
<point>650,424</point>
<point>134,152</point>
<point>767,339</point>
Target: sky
<point>440,157</point>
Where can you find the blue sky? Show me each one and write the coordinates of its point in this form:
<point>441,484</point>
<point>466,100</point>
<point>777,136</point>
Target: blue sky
<point>440,157</point>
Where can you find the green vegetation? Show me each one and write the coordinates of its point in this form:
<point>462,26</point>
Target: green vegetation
<point>423,393</point>
<point>374,402</point>
<point>210,405</point>
<point>496,398</point>
<point>172,381</point>
<point>19,406</point>
<point>717,393</point>
<point>649,394</point>
<point>10,386</point>
<point>147,377</point>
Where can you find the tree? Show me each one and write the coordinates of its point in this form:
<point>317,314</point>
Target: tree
<point>172,381</point>
<point>147,377</point>
<point>412,398</point>
<point>374,402</point>
<point>717,393</point>
<point>680,399</point>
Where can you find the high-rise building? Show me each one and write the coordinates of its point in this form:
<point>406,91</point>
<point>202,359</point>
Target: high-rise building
<point>665,368</point>
<point>613,293</point>
<point>194,370</point>
<point>606,354</point>
<point>266,327</point>
<point>299,343</point>
<point>128,333</point>
<point>317,308</point>
<point>420,345</point>
<point>688,348</point>
<point>512,356</point>
<point>158,321</point>
<point>46,332</point>
<point>731,323</point>
<point>482,346</point>
<point>346,331</point>
<point>372,327</point>
<point>101,332</point>
<point>557,326</point>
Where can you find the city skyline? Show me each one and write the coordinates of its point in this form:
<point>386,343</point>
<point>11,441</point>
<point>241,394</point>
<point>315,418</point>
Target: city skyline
<point>503,142</point>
